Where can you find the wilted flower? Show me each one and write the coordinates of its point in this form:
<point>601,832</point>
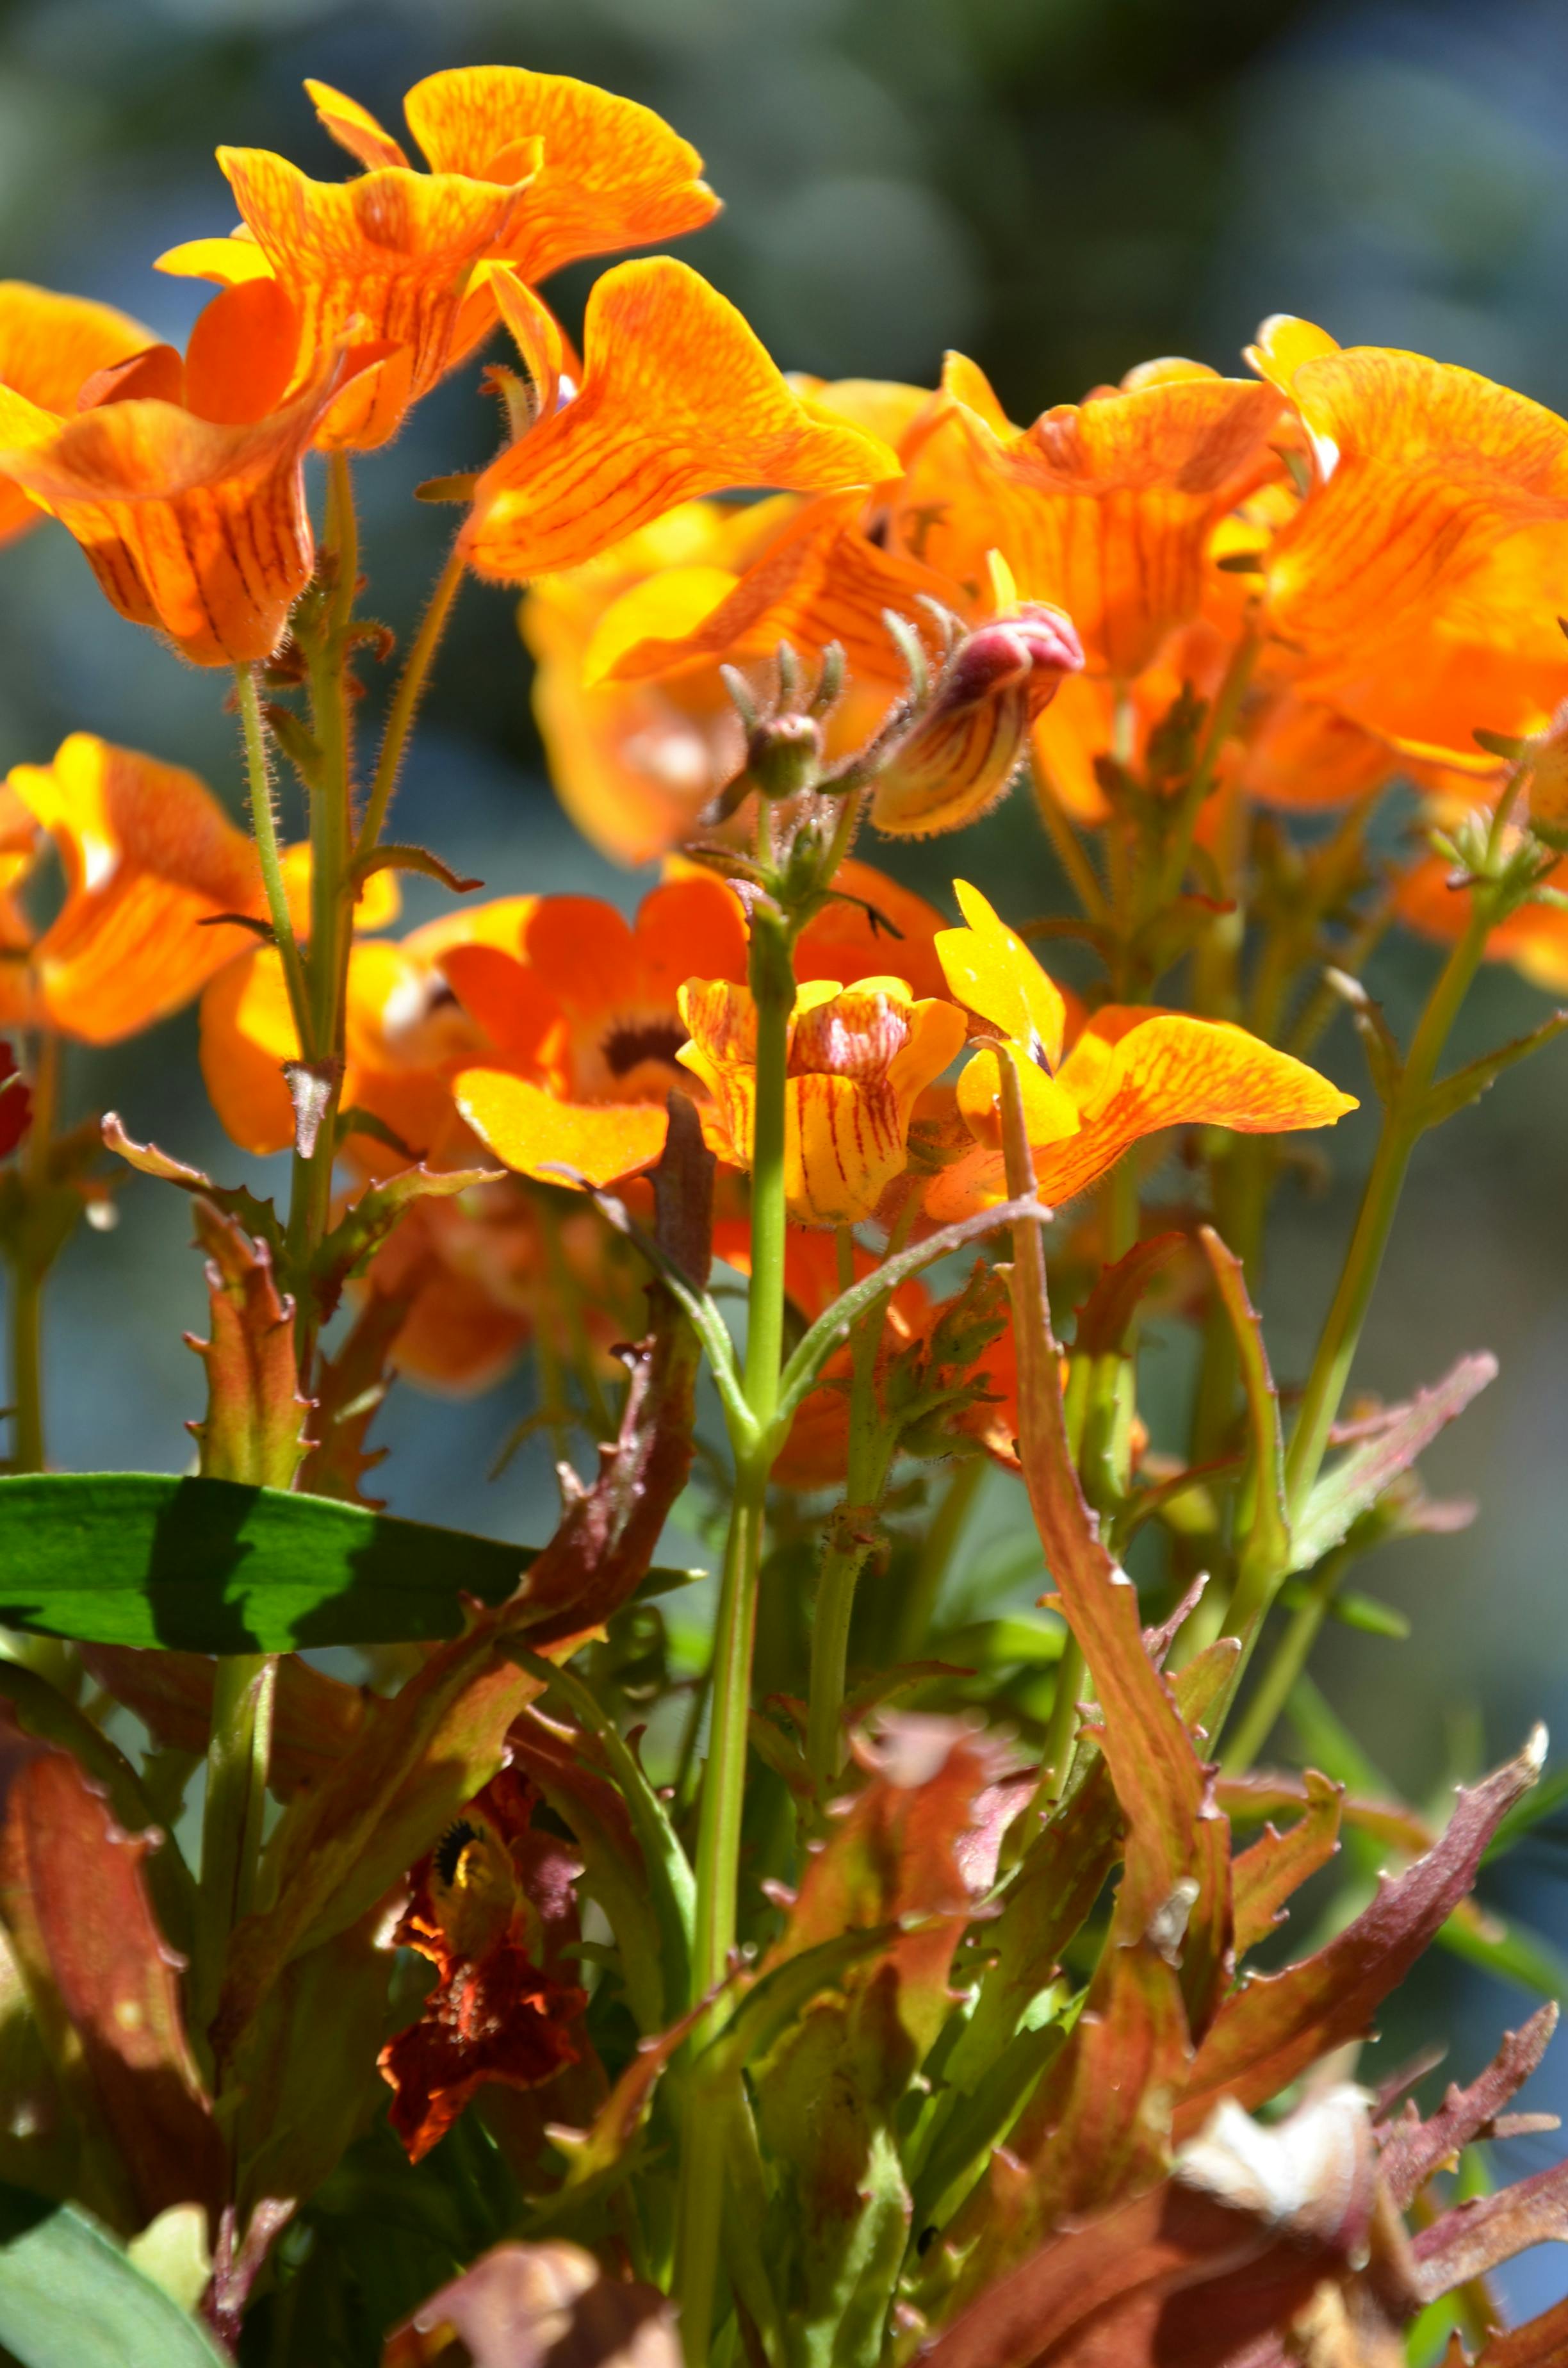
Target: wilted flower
<point>966,744</point>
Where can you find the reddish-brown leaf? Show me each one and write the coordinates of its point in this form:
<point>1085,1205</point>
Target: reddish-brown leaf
<point>351,1387</point>
<point>437,1743</point>
<point>1474,2238</point>
<point>1275,1866</point>
<point>522,2305</point>
<point>1178,1842</point>
<point>1269,2031</point>
<point>252,1427</point>
<point>1540,2343</point>
<point>1415,2149</point>
<point>105,1989</point>
<point>1105,1317</point>
<point>315,1718</point>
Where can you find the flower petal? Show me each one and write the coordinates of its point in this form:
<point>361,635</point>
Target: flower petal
<point>612,174</point>
<point>381,261</point>
<point>846,942</point>
<point>842,1147</point>
<point>533,1132</point>
<point>354,127</point>
<point>149,856</point>
<point>992,972</point>
<point>247,1033</point>
<point>679,399</point>
<point>49,345</point>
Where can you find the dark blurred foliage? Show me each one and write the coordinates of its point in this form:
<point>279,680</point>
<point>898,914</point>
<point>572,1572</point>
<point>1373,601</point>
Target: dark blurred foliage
<point>1061,188</point>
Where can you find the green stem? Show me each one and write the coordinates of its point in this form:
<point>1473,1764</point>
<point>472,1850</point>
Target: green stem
<point>850,1545</point>
<point>264,827</point>
<point>937,1551</point>
<point>411,687</point>
<point>328,649</point>
<point>723,1783</point>
<point>1189,805</point>
<point>237,1759</point>
<point>1069,850</point>
<point>1402,1129</point>
<point>1290,1659</point>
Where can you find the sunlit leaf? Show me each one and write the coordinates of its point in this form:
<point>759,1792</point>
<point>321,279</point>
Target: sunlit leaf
<point>68,2298</point>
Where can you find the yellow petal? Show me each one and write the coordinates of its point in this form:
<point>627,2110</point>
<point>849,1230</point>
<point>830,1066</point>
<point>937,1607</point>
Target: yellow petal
<point>534,1133</point>
<point>994,973</point>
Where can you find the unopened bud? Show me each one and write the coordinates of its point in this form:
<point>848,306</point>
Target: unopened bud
<point>960,756</point>
<point>1549,782</point>
<point>784,754</point>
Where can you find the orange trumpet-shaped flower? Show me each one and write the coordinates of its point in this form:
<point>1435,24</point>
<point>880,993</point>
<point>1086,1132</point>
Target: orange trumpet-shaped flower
<point>528,170</point>
<point>584,1010</point>
<point>859,1057</point>
<point>149,856</point>
<point>182,480</point>
<point>677,399</point>
<point>50,346</point>
<point>1103,508</point>
<point>1421,581</point>
<point>1131,1072</point>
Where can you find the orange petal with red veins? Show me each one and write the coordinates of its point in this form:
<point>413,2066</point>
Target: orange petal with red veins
<point>354,127</point>
<point>612,174</point>
<point>1421,579</point>
<point>534,1133</point>
<point>148,855</point>
<point>821,581</point>
<point>381,261</point>
<point>189,525</point>
<point>994,973</point>
<point>49,345</point>
<point>679,399</point>
<point>535,331</point>
<point>842,1147</point>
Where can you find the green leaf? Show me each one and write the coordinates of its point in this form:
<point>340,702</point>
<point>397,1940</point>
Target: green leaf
<point>68,2298</point>
<point>1266,1555</point>
<point>1467,1085</point>
<point>258,1217</point>
<point>362,1228</point>
<point>215,1567</point>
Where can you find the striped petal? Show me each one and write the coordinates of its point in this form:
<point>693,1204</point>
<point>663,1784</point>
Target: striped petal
<point>679,399</point>
<point>49,345</point>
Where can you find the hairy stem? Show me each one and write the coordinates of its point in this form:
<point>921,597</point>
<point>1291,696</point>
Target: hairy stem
<point>264,828</point>
<point>412,684</point>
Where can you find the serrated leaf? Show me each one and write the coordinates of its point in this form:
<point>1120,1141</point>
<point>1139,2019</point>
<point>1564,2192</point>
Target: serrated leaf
<point>1358,1479</point>
<point>1265,1875</point>
<point>362,1229</point>
<point>253,1429</point>
<point>70,2298</point>
<point>1467,1085</point>
<point>259,1218</point>
<point>1266,2035</point>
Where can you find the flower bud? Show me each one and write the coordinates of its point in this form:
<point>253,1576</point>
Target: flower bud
<point>784,754</point>
<point>1549,782</point>
<point>962,752</point>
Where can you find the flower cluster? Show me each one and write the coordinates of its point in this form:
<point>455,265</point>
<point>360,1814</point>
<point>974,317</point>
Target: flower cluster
<point>660,1937</point>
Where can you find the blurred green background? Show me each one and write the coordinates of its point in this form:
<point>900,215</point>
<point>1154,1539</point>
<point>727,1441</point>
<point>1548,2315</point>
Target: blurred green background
<point>1061,188</point>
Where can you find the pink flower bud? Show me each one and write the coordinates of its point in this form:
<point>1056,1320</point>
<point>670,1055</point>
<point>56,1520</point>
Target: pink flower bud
<point>961,753</point>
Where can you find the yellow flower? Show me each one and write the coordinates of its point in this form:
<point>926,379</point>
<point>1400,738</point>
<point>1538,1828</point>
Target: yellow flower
<point>1131,1072</point>
<point>859,1057</point>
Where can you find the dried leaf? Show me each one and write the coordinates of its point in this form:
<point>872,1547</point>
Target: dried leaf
<point>105,1989</point>
<point>1270,2031</point>
<point>1481,2235</point>
<point>351,1387</point>
<point>1265,1875</point>
<point>253,1429</point>
<point>259,1218</point>
<point>1107,1315</point>
<point>1540,2343</point>
<point>522,2305</point>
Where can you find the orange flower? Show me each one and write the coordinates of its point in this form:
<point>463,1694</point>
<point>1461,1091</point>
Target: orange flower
<point>148,856</point>
<point>859,1056</point>
<point>677,399</point>
<point>182,480</point>
<point>528,171</point>
<point>1131,1073</point>
<point>1104,509</point>
<point>49,345</point>
<point>405,1037</point>
<point>1422,579</point>
<point>492,1911</point>
<point>585,1011</point>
